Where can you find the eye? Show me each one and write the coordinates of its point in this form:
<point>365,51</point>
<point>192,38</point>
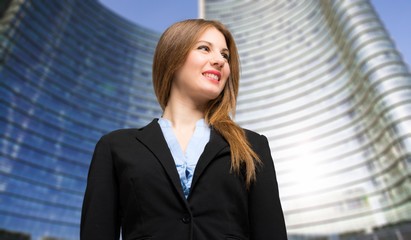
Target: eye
<point>225,56</point>
<point>203,47</point>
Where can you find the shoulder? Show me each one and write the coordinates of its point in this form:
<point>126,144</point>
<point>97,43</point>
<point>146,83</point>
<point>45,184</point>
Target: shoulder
<point>123,135</point>
<point>254,137</point>
<point>120,134</point>
<point>259,143</point>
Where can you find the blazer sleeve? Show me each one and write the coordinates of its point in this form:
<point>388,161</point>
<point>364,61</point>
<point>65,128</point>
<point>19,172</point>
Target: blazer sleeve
<point>100,213</point>
<point>265,211</point>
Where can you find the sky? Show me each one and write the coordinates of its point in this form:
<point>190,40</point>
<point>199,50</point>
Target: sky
<point>159,14</point>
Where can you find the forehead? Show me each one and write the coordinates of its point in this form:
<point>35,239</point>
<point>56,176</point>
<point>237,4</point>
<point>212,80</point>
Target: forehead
<point>213,36</point>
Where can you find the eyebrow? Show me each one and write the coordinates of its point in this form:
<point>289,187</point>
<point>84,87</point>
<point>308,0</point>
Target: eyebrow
<point>209,43</point>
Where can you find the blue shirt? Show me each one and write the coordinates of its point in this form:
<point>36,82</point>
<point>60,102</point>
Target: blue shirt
<point>187,162</point>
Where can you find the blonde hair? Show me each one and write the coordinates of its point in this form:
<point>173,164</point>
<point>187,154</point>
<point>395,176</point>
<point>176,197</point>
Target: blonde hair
<point>171,53</point>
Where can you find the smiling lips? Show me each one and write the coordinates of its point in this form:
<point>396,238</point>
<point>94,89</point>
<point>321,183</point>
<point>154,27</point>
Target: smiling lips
<point>213,75</point>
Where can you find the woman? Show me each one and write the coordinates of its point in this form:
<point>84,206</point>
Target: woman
<point>193,173</point>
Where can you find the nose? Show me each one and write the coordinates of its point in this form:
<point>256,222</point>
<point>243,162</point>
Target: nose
<point>218,60</point>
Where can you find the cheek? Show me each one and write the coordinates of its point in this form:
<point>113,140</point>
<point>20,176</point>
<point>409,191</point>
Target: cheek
<point>227,72</point>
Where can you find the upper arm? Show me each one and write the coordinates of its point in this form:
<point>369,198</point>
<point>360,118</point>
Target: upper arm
<point>100,217</point>
<point>265,212</point>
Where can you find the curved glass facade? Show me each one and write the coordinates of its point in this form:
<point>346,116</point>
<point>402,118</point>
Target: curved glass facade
<point>70,72</point>
<point>324,82</point>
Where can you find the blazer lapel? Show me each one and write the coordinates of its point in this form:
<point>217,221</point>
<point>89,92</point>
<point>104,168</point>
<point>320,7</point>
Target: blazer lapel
<point>216,144</point>
<point>152,137</point>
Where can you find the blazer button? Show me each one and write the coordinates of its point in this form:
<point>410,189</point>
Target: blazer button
<point>186,219</point>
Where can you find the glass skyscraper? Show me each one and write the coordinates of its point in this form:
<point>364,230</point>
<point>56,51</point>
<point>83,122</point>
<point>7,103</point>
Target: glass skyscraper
<point>324,82</point>
<point>320,78</point>
<point>70,72</point>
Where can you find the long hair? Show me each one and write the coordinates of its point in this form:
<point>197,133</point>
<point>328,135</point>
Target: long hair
<point>170,55</point>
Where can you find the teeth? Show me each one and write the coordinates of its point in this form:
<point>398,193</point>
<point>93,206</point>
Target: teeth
<point>210,75</point>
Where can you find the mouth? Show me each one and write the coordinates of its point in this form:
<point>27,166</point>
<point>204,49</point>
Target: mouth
<point>212,75</point>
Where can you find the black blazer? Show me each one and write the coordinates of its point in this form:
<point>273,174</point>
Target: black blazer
<point>133,184</point>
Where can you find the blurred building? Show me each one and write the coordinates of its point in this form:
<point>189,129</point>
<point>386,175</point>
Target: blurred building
<point>320,78</point>
<point>324,82</point>
<point>70,71</point>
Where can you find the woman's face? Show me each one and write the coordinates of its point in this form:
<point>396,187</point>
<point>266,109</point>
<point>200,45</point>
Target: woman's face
<point>205,71</point>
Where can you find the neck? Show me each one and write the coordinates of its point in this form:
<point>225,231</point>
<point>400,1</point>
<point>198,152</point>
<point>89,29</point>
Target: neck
<point>182,115</point>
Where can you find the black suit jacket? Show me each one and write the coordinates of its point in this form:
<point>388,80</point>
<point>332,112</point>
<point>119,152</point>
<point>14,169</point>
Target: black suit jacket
<point>133,184</point>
